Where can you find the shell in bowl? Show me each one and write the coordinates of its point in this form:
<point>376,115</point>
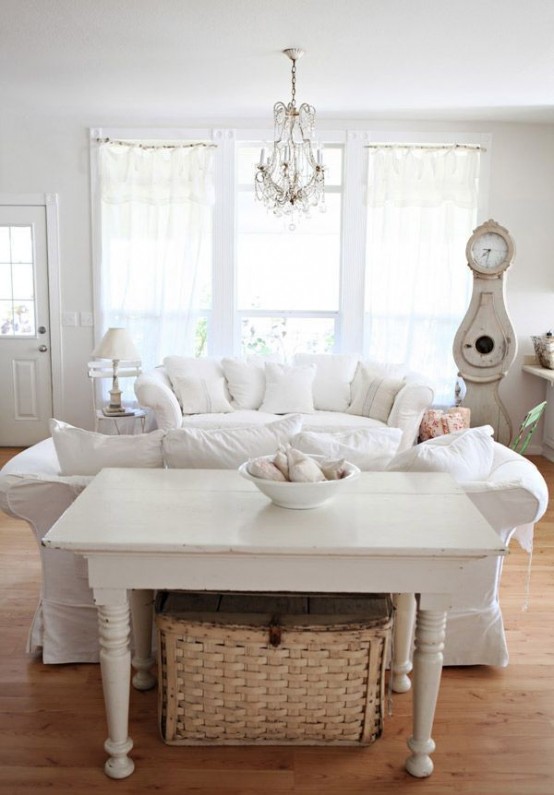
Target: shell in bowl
<point>301,496</point>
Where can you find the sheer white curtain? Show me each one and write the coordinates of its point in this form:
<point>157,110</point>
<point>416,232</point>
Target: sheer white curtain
<point>155,219</point>
<point>422,208</point>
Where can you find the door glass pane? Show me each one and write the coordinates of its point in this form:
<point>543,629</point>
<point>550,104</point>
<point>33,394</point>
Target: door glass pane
<point>286,336</point>
<point>6,318</point>
<point>23,286</point>
<point>5,281</point>
<point>17,290</point>
<point>21,244</point>
<point>4,243</point>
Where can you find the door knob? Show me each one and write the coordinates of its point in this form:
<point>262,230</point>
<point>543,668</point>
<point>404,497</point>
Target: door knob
<point>42,348</point>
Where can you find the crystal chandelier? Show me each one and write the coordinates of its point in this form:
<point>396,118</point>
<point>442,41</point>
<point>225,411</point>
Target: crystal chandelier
<point>291,180</point>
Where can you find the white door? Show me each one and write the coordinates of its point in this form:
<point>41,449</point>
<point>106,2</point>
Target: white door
<point>25,360</point>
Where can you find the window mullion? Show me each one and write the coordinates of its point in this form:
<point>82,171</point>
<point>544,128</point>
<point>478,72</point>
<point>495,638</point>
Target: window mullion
<point>223,337</point>
<point>350,331</point>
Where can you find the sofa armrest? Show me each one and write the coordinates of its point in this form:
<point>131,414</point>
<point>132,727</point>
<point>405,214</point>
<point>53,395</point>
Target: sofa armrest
<point>515,494</point>
<point>407,411</point>
<point>39,500</point>
<point>154,392</point>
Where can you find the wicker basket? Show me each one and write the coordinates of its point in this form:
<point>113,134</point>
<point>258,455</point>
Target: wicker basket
<point>274,670</point>
<point>544,350</point>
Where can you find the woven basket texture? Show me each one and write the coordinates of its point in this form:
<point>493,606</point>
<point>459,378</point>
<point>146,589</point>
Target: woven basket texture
<point>229,679</point>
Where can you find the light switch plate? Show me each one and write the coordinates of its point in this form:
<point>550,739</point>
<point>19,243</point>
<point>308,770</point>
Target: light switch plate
<point>87,319</point>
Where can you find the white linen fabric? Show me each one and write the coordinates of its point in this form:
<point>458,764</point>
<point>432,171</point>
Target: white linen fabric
<point>334,374</point>
<point>422,208</point>
<point>199,382</point>
<point>83,452</point>
<point>246,381</point>
<point>193,367</point>
<point>198,448</point>
<point>155,219</point>
<point>466,455</point>
<point>367,448</point>
<point>288,389</point>
<point>373,394</point>
<point>201,395</point>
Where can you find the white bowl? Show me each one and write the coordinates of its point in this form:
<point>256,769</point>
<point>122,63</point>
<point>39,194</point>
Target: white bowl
<point>300,495</point>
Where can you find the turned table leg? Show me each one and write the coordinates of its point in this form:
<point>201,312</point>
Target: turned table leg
<point>115,663</point>
<point>429,643</point>
<point>404,620</point>
<point>141,602</point>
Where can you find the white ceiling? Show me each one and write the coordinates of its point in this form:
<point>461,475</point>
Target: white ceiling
<point>170,60</point>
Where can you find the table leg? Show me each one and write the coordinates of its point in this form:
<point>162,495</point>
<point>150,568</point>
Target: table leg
<point>142,602</point>
<point>428,657</point>
<point>115,663</point>
<point>404,620</point>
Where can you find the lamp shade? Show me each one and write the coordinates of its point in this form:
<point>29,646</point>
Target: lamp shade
<point>116,344</point>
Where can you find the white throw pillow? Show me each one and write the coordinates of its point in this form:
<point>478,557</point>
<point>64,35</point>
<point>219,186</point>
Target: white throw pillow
<point>83,452</point>
<point>288,389</point>
<point>199,448</point>
<point>334,374</point>
<point>202,395</point>
<point>373,394</point>
<point>207,373</point>
<point>368,448</point>
<point>466,455</point>
<point>246,381</point>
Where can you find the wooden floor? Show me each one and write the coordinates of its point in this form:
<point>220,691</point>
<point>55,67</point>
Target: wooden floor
<point>494,728</point>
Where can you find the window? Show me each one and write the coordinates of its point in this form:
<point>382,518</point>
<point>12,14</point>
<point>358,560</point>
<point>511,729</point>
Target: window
<point>288,280</point>
<point>17,281</point>
<point>422,207</point>
<point>156,233</point>
<point>381,273</point>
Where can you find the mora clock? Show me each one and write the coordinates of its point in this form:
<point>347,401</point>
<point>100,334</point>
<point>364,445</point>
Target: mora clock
<point>485,344</point>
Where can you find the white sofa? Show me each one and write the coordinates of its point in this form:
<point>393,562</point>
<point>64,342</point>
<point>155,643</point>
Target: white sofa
<point>507,488</point>
<point>330,391</point>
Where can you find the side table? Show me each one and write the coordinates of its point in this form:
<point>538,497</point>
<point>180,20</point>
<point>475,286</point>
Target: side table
<point>129,417</point>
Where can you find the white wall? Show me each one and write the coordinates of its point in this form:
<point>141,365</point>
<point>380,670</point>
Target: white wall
<point>51,155</point>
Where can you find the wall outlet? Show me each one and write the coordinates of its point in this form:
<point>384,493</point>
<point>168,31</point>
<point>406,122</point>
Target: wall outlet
<point>87,319</point>
<point>70,319</point>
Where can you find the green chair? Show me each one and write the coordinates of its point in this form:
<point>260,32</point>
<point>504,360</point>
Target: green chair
<point>527,428</point>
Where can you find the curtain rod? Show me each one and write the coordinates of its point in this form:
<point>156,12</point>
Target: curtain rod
<point>425,146</point>
<point>154,146</point>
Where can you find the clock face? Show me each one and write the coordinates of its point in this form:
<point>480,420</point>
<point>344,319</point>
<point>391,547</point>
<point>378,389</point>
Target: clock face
<point>489,251</point>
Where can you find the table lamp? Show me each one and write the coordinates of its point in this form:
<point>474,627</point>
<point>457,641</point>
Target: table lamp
<point>117,345</point>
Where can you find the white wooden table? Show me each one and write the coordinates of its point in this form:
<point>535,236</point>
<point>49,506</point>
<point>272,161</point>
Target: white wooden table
<point>147,529</point>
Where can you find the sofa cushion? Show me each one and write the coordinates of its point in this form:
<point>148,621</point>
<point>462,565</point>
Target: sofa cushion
<point>201,395</point>
<point>373,394</point>
<point>466,455</point>
<point>334,374</point>
<point>288,389</point>
<point>206,376</point>
<point>200,448</point>
<point>367,448</point>
<point>83,452</point>
<point>245,381</point>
